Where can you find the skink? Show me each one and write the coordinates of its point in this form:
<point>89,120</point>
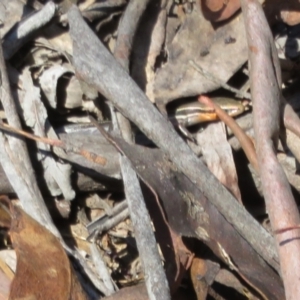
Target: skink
<point>184,116</point>
<point>196,112</point>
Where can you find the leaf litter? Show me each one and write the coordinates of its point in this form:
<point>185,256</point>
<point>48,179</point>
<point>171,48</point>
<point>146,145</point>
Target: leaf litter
<point>75,238</point>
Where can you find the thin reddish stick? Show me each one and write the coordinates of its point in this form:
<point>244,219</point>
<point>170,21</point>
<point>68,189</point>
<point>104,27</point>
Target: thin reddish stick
<point>244,140</point>
<point>55,143</point>
<point>265,78</point>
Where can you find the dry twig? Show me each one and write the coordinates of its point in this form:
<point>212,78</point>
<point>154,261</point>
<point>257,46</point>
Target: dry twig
<point>265,87</point>
<point>244,140</point>
<point>15,161</point>
<point>156,281</point>
<point>24,31</point>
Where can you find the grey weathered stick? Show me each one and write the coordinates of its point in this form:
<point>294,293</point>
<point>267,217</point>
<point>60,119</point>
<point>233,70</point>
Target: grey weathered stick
<point>155,277</point>
<point>88,270</point>
<point>16,163</point>
<point>126,32</point>
<point>116,85</point>
<point>102,269</point>
<point>266,96</point>
<point>24,31</point>
<point>106,222</point>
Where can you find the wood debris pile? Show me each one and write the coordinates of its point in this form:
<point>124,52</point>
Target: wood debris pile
<point>123,172</point>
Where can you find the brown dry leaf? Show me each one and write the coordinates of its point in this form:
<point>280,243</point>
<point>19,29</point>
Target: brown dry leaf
<point>217,154</point>
<point>219,10</point>
<point>43,268</point>
<point>287,11</point>
<point>183,260</point>
<point>228,279</point>
<point>203,273</point>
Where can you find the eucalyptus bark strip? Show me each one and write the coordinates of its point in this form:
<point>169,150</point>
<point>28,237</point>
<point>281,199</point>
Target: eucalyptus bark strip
<point>25,30</point>
<point>127,29</point>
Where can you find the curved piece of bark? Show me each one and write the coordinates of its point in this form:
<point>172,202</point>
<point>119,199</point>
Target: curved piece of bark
<point>148,45</point>
<point>266,95</point>
<point>42,260</point>
<point>127,29</point>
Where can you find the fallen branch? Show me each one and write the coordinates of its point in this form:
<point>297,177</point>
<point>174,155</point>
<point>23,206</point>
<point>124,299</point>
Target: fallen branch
<point>244,140</point>
<point>56,143</point>
<point>266,93</point>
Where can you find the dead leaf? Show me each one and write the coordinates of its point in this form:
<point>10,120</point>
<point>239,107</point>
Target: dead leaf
<point>57,174</point>
<point>144,55</point>
<point>183,260</point>
<point>228,279</point>
<point>43,268</point>
<point>219,10</point>
<point>203,273</point>
<point>177,78</point>
<point>217,154</point>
